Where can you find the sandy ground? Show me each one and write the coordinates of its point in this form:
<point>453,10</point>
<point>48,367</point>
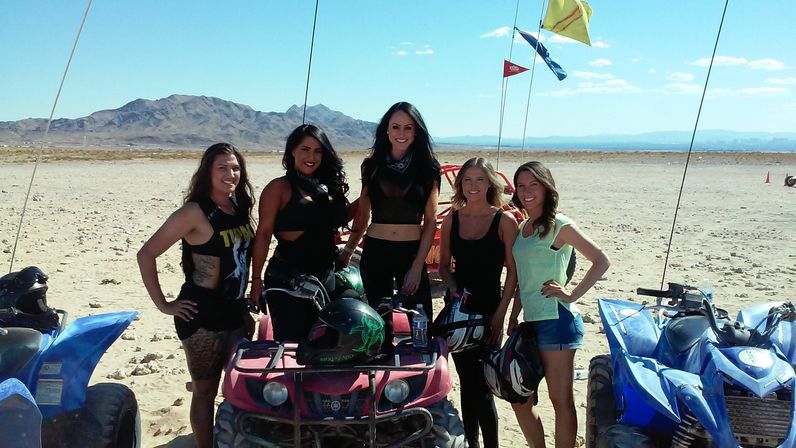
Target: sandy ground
<point>86,219</point>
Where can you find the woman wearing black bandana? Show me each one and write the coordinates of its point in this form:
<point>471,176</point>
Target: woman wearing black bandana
<point>303,210</point>
<point>400,187</point>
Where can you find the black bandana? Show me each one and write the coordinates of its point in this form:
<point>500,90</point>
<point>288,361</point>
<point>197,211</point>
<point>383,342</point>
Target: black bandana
<point>399,165</point>
<point>312,186</point>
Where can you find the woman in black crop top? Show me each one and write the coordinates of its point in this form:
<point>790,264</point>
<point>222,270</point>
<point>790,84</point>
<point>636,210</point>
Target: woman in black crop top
<point>400,187</point>
<point>479,236</point>
<point>303,210</point>
<point>210,313</point>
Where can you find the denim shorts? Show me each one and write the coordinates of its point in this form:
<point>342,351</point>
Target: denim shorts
<point>564,333</point>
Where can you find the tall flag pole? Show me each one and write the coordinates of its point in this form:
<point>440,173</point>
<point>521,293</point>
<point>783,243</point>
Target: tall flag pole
<point>309,65</point>
<point>504,86</point>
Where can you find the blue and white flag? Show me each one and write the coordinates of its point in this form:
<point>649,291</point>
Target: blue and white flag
<point>544,54</point>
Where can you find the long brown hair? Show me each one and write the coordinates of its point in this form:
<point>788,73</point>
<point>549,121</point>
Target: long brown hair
<point>200,185</point>
<point>550,207</point>
<point>494,195</point>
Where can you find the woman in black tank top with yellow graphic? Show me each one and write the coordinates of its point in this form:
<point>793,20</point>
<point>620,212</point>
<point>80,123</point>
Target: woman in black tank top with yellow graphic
<point>210,313</point>
<point>478,236</point>
<point>303,210</point>
<point>400,187</point>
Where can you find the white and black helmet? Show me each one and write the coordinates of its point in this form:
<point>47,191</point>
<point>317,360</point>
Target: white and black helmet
<point>513,373</point>
<point>462,329</point>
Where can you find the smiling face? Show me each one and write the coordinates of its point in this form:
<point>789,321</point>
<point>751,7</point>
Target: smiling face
<point>308,155</point>
<point>475,184</point>
<point>225,174</point>
<point>401,132</point>
<point>530,191</point>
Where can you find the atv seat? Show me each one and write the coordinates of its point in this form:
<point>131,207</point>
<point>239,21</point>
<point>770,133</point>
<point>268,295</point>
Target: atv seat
<point>683,332</point>
<point>17,348</point>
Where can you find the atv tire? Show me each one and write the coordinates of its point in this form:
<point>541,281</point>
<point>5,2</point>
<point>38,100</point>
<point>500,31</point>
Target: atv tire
<point>447,430</point>
<point>623,436</point>
<point>600,402</point>
<point>114,409</point>
<point>225,435</point>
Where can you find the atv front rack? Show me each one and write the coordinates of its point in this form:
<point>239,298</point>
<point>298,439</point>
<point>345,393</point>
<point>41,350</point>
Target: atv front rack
<point>276,352</point>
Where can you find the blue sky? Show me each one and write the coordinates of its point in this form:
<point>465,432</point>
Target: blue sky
<point>644,72</point>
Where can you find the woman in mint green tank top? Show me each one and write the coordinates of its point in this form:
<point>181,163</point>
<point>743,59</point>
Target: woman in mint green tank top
<point>542,253</point>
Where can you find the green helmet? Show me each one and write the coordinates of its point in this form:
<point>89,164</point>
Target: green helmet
<point>347,331</point>
<point>348,283</point>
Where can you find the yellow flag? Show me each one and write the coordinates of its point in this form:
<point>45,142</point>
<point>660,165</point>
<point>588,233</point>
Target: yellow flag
<point>569,18</point>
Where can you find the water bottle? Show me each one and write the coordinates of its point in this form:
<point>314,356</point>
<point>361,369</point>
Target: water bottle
<point>420,329</point>
<point>706,287</point>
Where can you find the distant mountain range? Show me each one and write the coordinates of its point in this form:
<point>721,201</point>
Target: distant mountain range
<point>185,121</point>
<point>195,122</point>
<point>708,140</point>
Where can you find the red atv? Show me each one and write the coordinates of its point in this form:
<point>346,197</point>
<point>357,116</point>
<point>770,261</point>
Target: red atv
<point>337,387</point>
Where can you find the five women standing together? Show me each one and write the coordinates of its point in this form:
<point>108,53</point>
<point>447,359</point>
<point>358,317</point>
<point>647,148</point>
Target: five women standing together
<point>396,214</point>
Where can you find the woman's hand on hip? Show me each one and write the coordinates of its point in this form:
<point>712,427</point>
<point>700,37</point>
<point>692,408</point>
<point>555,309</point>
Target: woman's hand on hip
<point>184,309</point>
<point>552,290</point>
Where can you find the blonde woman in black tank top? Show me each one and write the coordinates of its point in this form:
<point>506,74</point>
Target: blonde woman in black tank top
<point>479,236</point>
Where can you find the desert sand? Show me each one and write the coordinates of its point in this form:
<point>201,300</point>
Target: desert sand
<point>89,212</point>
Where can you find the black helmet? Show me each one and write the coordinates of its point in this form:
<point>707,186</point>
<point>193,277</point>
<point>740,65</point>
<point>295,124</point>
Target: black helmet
<point>513,373</point>
<point>347,331</point>
<point>25,290</point>
<point>348,283</point>
<point>462,329</point>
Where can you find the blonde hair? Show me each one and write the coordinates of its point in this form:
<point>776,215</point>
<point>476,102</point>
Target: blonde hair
<point>494,195</point>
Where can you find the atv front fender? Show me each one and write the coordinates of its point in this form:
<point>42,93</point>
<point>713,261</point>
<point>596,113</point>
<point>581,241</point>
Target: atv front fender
<point>68,363</point>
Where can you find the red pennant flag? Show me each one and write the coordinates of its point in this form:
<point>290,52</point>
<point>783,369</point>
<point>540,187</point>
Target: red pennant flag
<point>511,69</point>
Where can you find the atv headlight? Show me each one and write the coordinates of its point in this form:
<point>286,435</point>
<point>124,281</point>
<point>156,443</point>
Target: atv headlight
<point>396,391</point>
<point>275,393</point>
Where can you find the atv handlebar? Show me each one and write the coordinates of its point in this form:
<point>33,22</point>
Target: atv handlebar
<point>306,287</point>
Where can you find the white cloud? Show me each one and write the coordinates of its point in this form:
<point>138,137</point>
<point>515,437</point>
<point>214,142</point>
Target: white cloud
<point>681,88</point>
<point>600,62</point>
<point>503,31</point>
<point>405,43</point>
<point>599,44</point>
<point>766,64</point>
<point>425,52</point>
<point>591,75</point>
<point>611,86</point>
<point>757,64</point>
<point>400,53</point>
<point>721,60</point>
<point>559,39</point>
<point>762,91</point>
<point>680,77</point>
<point>782,81</point>
<point>637,59</point>
<point>652,71</point>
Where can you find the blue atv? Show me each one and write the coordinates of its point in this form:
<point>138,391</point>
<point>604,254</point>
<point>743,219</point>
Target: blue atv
<point>45,366</point>
<point>684,374</point>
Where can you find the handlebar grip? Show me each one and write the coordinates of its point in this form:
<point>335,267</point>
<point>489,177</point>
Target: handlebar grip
<point>652,292</point>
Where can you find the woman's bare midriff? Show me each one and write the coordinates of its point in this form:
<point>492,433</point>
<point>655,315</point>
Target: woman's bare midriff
<point>394,232</point>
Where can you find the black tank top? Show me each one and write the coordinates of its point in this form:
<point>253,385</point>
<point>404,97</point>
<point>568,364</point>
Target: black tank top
<point>313,252</point>
<point>398,198</point>
<point>230,242</point>
<point>479,264</point>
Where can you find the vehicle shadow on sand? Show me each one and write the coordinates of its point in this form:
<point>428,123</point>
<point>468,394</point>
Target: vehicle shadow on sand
<point>183,441</point>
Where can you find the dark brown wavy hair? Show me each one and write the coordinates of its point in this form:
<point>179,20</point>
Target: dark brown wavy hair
<point>494,195</point>
<point>550,207</point>
<point>200,185</point>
